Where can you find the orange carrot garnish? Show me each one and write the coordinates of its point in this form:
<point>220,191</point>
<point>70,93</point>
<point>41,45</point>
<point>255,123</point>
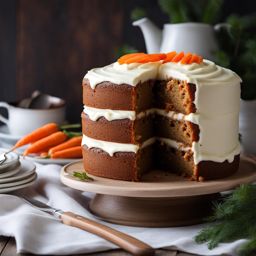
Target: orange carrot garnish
<point>45,143</point>
<point>37,134</point>
<point>186,58</point>
<point>129,55</point>
<point>169,56</point>
<point>140,57</point>
<point>126,57</point>
<point>195,59</point>
<point>73,152</point>
<point>135,59</point>
<point>75,141</point>
<point>155,57</point>
<point>178,57</point>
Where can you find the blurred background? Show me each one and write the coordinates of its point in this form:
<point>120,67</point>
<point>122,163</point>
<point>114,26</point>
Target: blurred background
<point>49,45</point>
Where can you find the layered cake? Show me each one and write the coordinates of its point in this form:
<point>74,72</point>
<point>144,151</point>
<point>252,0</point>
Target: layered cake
<point>175,112</point>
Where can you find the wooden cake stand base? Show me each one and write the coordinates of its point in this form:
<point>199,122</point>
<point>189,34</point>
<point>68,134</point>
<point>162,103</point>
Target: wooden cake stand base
<point>161,199</point>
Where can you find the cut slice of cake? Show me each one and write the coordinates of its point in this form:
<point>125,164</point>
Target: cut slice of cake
<point>157,113</point>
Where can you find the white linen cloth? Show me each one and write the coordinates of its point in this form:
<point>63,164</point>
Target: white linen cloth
<point>40,233</point>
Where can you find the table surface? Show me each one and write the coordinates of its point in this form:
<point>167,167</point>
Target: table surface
<point>8,248</point>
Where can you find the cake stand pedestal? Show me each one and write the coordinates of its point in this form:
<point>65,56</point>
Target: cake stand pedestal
<point>161,199</point>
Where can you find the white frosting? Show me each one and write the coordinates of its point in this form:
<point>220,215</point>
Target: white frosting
<point>217,101</point>
<point>112,147</point>
<point>218,138</point>
<point>95,113</point>
<point>130,74</point>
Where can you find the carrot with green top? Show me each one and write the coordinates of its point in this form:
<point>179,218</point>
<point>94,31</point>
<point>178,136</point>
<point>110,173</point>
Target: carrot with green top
<point>73,152</point>
<point>37,134</point>
<point>45,143</point>
<point>75,141</point>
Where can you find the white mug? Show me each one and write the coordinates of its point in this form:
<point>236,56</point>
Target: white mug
<point>22,121</point>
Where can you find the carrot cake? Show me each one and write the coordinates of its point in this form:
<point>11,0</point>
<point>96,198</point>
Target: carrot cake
<point>176,112</point>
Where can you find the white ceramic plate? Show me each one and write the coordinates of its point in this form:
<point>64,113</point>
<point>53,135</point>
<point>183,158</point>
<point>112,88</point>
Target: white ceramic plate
<point>18,183</point>
<point>10,189</point>
<point>12,159</point>
<point>10,172</point>
<point>60,161</point>
<point>21,175</point>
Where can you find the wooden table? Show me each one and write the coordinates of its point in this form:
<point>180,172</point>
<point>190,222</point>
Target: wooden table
<point>8,248</point>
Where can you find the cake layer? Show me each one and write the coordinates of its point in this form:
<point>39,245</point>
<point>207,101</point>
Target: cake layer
<point>119,97</point>
<point>171,95</point>
<point>139,130</point>
<point>182,131</point>
<point>121,166</point>
<point>130,166</point>
<point>175,95</point>
<point>121,131</point>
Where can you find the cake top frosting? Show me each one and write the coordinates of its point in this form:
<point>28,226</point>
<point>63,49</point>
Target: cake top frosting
<point>139,67</point>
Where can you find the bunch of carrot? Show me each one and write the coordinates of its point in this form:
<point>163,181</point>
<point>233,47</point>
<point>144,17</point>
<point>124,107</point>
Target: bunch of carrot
<point>50,141</point>
<point>141,57</point>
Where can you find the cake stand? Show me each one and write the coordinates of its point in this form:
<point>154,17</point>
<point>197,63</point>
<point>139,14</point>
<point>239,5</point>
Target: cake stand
<point>161,199</point>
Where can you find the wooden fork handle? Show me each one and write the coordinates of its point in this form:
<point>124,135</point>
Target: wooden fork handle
<point>124,241</point>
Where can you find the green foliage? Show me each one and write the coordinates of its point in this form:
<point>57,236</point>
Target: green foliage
<point>82,176</point>
<point>177,10</point>
<point>125,49</point>
<point>138,13</point>
<point>187,10</point>
<point>233,219</point>
<point>237,44</point>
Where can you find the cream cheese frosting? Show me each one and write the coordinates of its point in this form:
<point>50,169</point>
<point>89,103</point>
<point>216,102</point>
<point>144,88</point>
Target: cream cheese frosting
<point>95,113</point>
<point>112,147</point>
<point>130,74</point>
<point>217,101</point>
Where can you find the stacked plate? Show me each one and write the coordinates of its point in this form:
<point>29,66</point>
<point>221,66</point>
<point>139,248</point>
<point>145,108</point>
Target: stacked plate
<point>15,173</point>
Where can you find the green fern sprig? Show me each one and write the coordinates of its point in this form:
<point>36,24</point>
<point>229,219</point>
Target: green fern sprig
<point>235,218</point>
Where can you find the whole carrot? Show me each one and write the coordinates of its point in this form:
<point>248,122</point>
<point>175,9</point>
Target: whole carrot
<point>73,152</point>
<point>37,134</point>
<point>45,143</point>
<point>75,141</point>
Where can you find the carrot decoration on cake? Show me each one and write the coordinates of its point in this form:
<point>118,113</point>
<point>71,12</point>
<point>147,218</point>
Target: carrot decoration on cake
<point>173,56</point>
<point>141,58</point>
